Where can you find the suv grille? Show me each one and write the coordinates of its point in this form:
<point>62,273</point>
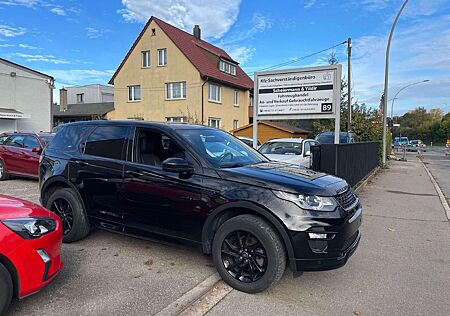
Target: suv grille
<point>346,199</point>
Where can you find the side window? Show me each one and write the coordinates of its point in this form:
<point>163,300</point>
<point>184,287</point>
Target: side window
<point>307,148</point>
<point>15,141</point>
<point>31,142</point>
<point>3,139</point>
<point>107,142</point>
<point>67,138</point>
<point>153,147</point>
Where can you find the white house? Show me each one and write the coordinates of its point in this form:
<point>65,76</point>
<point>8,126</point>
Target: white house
<point>26,97</point>
<point>91,93</point>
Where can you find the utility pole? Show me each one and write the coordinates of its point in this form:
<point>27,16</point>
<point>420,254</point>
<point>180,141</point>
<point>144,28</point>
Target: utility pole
<point>386,81</point>
<point>349,84</point>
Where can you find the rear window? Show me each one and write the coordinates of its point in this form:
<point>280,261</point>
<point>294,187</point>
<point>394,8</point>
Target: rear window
<point>107,142</point>
<point>67,138</point>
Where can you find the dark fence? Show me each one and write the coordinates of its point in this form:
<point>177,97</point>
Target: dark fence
<point>352,162</point>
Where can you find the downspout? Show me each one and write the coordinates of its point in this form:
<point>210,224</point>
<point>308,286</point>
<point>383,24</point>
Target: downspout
<point>203,118</point>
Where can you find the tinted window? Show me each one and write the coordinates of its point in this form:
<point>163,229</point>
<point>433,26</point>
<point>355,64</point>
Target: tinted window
<point>46,139</point>
<point>307,147</point>
<point>281,148</point>
<point>67,138</point>
<point>31,142</point>
<point>106,141</point>
<point>15,141</point>
<point>3,139</point>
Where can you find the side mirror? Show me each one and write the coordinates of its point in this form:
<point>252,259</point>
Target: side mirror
<point>308,153</point>
<point>178,165</point>
<point>37,150</point>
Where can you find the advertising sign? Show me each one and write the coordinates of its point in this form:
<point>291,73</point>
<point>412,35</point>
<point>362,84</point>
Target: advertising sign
<point>299,91</point>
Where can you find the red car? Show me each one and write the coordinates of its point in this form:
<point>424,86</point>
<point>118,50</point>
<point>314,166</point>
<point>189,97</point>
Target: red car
<point>20,153</point>
<point>30,248</point>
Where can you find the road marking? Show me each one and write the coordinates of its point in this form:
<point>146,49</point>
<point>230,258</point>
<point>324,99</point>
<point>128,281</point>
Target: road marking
<point>190,297</point>
<point>439,192</point>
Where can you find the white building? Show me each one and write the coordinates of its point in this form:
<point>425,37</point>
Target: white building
<point>91,93</point>
<point>26,97</point>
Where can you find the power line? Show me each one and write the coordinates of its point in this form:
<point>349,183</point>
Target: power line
<point>299,58</point>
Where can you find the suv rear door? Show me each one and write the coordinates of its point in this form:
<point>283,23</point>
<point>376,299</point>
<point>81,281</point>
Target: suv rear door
<point>99,174</point>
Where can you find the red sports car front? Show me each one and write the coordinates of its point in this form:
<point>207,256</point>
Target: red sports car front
<point>30,248</point>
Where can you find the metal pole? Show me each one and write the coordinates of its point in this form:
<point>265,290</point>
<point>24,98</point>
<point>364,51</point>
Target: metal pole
<point>386,81</point>
<point>255,111</point>
<point>398,92</point>
<point>349,83</point>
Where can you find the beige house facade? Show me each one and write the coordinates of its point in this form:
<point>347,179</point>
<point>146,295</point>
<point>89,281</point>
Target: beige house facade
<point>170,75</point>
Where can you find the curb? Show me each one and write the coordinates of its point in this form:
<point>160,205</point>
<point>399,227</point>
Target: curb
<point>361,184</point>
<point>439,191</point>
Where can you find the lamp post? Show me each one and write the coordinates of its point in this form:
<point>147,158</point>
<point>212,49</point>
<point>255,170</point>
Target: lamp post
<point>395,97</point>
<point>386,81</point>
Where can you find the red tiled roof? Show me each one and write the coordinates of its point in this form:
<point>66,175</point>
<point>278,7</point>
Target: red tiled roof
<point>196,52</point>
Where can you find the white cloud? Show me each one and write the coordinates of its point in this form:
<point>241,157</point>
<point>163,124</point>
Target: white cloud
<point>374,5</point>
<point>43,58</point>
<point>58,11</point>
<point>26,46</point>
<point>95,33</point>
<point>81,76</point>
<point>185,14</point>
<point>25,3</point>
<point>308,3</point>
<point>6,45</point>
<point>10,31</point>
<point>241,54</point>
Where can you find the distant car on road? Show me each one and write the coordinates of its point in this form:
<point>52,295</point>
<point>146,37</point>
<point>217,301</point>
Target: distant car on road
<point>20,153</point>
<point>248,140</point>
<point>414,144</point>
<point>292,150</point>
<point>328,137</point>
<point>400,141</point>
<point>30,249</point>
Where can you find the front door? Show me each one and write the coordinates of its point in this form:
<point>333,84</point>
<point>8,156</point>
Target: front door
<point>31,159</point>
<point>99,172</point>
<point>159,202</point>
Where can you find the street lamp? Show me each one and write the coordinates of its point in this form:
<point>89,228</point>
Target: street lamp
<point>395,97</point>
<point>386,81</point>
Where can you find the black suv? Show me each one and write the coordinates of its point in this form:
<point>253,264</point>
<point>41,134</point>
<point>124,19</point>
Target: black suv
<point>201,187</point>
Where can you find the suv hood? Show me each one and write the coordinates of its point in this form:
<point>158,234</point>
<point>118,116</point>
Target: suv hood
<point>285,177</point>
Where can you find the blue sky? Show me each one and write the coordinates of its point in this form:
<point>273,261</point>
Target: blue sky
<point>80,42</point>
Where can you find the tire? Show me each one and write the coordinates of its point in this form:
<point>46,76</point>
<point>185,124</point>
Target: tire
<point>3,174</point>
<point>6,289</point>
<point>251,230</point>
<point>75,223</point>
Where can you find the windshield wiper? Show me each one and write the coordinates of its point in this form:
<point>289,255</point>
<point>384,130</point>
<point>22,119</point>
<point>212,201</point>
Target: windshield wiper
<point>236,165</point>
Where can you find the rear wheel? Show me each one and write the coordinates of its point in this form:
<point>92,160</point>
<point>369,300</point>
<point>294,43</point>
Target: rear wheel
<point>6,289</point>
<point>3,174</point>
<point>65,203</point>
<point>248,253</point>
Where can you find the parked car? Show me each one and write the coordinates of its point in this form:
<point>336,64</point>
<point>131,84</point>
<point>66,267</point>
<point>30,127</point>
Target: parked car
<point>30,249</point>
<point>414,144</point>
<point>291,150</point>
<point>400,141</point>
<point>248,141</point>
<point>199,186</point>
<point>20,153</point>
<point>328,137</point>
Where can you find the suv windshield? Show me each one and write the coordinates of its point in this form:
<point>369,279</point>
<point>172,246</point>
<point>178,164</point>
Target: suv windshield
<point>221,149</point>
<point>281,148</point>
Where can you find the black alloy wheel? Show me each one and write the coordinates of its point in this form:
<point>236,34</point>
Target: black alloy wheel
<point>243,256</point>
<point>64,210</point>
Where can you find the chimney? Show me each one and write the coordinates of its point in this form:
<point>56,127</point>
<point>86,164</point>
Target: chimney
<point>196,32</point>
<point>62,100</point>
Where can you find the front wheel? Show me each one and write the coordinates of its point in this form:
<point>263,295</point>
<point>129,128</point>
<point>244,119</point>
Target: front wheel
<point>6,289</point>
<point>248,253</point>
<point>3,174</point>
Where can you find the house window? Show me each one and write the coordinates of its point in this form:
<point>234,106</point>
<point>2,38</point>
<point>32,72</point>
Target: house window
<point>236,98</point>
<point>80,97</point>
<point>176,90</point>
<point>235,124</point>
<point>176,119</point>
<point>214,93</point>
<point>153,32</point>
<point>134,93</point>
<point>214,122</point>
<point>146,59</point>
<point>162,57</point>
<point>227,67</point>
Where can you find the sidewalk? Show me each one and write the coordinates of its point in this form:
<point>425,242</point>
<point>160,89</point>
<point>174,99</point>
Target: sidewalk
<point>402,266</point>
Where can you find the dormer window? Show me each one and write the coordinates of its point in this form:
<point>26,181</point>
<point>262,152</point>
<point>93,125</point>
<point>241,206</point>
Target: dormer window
<point>227,67</point>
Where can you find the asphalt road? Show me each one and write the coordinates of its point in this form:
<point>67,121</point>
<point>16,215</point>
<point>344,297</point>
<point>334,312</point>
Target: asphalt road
<point>439,165</point>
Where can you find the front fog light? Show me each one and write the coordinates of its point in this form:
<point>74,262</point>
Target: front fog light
<point>44,255</point>
<point>317,236</point>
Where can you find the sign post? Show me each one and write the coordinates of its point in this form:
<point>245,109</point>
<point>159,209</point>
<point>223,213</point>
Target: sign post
<point>302,93</point>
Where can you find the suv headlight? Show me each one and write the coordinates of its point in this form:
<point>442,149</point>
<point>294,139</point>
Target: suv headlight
<point>31,227</point>
<point>309,202</point>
